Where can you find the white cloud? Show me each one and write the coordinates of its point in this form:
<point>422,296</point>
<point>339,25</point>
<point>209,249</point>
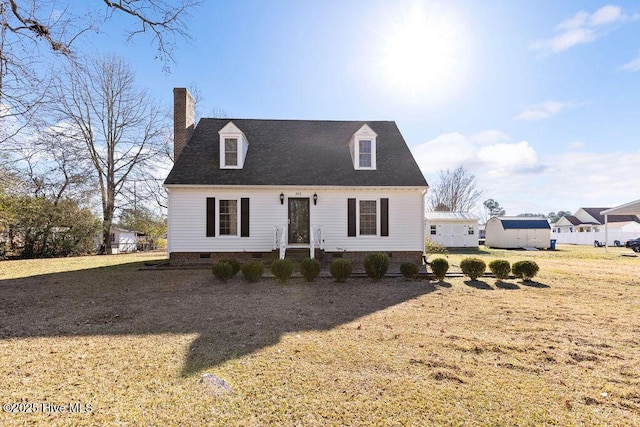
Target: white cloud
<point>446,151</point>
<point>543,110</point>
<point>508,155</point>
<point>485,150</point>
<point>633,65</point>
<point>583,28</point>
<point>606,15</point>
<point>523,180</point>
<point>576,145</point>
<point>490,136</point>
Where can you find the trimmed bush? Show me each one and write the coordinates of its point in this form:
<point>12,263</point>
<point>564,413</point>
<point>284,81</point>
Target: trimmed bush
<point>252,271</point>
<point>473,267</point>
<point>310,269</point>
<point>525,269</point>
<point>376,265</point>
<point>500,268</point>
<point>340,269</point>
<point>223,271</point>
<point>235,264</point>
<point>440,266</point>
<point>409,270</point>
<point>431,248</point>
<point>282,269</point>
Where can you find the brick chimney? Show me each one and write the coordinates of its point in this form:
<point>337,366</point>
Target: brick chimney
<point>183,119</point>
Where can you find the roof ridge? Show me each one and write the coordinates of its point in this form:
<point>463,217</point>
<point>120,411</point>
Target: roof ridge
<point>298,120</point>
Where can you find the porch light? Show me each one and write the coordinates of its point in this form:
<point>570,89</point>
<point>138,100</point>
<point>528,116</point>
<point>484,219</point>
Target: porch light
<point>315,198</point>
<point>282,198</point>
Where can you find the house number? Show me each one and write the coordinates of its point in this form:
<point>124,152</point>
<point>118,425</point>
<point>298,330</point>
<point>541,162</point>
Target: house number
<point>298,193</point>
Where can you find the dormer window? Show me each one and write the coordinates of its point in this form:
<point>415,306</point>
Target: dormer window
<point>363,148</point>
<point>233,147</point>
<point>364,153</point>
<point>231,151</point>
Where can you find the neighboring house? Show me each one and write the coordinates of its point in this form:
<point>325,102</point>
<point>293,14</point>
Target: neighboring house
<point>244,188</point>
<point>122,240</point>
<point>482,233</point>
<point>510,232</point>
<point>587,226</point>
<point>452,229</point>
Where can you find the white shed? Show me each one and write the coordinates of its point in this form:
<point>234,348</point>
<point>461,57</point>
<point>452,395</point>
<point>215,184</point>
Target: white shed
<point>518,232</point>
<point>123,240</point>
<point>452,229</point>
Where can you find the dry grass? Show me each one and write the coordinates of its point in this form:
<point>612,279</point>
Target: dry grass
<point>564,350</point>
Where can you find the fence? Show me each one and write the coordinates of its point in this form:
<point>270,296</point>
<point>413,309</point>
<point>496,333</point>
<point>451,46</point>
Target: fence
<point>588,237</point>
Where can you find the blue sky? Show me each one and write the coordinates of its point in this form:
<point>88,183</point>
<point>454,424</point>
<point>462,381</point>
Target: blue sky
<point>539,99</point>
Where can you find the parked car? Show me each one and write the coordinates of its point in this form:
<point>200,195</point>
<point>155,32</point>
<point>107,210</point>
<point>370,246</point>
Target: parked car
<point>633,244</point>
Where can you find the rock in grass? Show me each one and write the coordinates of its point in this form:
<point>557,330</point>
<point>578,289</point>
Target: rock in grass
<point>217,386</point>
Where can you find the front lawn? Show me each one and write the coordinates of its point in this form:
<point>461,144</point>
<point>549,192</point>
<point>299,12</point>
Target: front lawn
<point>563,350</point>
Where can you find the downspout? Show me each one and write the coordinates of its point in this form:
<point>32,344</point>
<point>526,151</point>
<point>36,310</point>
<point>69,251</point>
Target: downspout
<point>422,226</point>
<point>606,232</point>
<point>169,222</point>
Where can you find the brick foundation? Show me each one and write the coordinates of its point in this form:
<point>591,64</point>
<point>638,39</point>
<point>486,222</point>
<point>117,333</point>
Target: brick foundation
<point>357,258</point>
<point>205,258</point>
<point>395,257</point>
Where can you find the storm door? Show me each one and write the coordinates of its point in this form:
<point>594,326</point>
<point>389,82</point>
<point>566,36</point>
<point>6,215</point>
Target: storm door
<point>298,220</point>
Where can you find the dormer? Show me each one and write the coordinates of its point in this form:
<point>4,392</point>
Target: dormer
<point>363,149</point>
<point>233,147</point>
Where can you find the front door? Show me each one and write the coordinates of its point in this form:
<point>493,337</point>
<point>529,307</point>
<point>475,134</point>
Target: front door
<point>298,220</point>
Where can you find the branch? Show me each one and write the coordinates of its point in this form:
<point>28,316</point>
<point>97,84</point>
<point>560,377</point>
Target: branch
<point>37,28</point>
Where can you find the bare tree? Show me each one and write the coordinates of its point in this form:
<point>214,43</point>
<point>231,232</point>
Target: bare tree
<point>52,166</point>
<point>456,191</point>
<point>119,124</point>
<point>36,36</point>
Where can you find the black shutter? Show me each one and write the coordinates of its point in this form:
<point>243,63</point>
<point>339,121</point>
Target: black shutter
<point>384,217</point>
<point>244,217</point>
<point>351,217</point>
<point>211,216</point>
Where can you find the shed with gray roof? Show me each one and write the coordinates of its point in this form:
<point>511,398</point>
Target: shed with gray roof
<point>518,232</point>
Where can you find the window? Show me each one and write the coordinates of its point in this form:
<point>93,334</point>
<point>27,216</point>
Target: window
<point>231,215</point>
<point>363,217</point>
<point>368,218</point>
<point>471,230</point>
<point>228,217</point>
<point>363,148</point>
<point>433,229</point>
<point>364,153</point>
<point>113,237</point>
<point>231,152</point>
<point>234,147</point>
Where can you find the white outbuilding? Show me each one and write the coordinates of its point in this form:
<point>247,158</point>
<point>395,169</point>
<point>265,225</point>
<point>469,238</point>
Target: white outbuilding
<point>452,229</point>
<point>518,232</point>
<point>123,241</point>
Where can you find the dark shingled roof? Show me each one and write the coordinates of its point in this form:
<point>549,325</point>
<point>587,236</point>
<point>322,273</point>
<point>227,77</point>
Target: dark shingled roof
<point>573,219</point>
<point>296,152</point>
<point>508,224</point>
<point>595,212</point>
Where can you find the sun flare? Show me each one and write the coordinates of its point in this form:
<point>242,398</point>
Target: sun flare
<point>424,55</point>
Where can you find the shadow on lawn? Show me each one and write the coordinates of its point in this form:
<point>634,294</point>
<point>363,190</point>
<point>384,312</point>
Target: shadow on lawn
<point>232,319</point>
<point>478,284</point>
<point>533,284</point>
<point>506,285</point>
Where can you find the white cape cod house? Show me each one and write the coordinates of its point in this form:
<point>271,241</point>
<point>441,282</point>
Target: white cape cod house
<point>244,189</point>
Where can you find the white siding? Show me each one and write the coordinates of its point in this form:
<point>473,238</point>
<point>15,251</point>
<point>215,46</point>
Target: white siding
<point>125,241</point>
<point>498,237</point>
<point>187,219</point>
<point>453,234</point>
